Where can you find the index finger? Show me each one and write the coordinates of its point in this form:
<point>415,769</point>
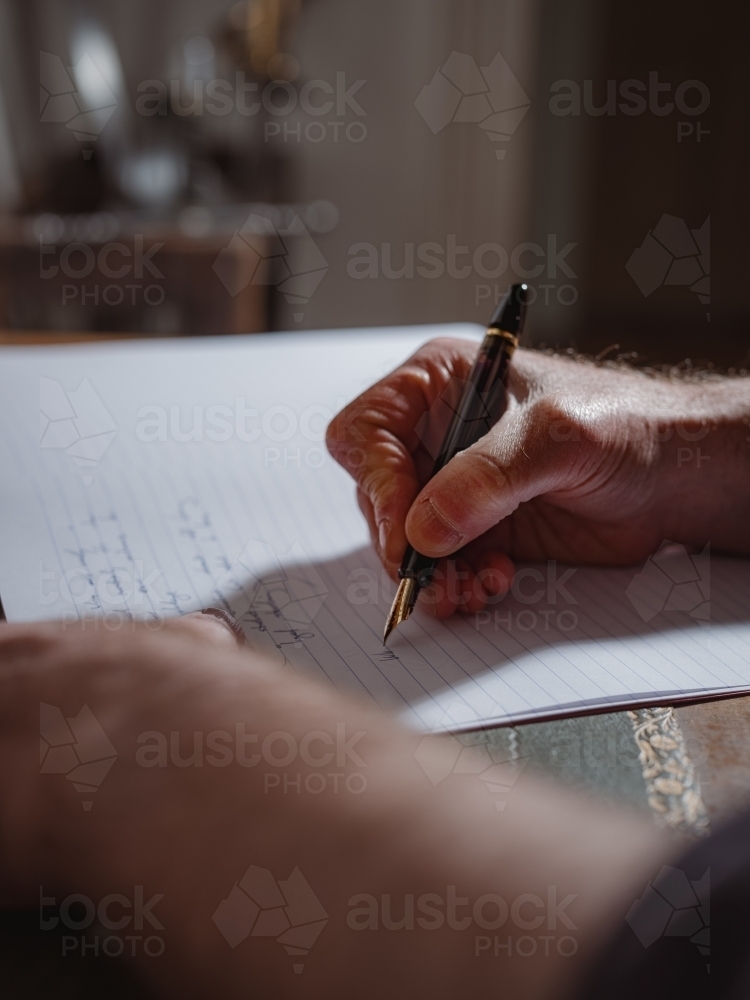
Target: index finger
<point>374,438</point>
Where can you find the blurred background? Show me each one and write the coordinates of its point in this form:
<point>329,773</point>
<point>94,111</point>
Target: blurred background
<point>196,168</point>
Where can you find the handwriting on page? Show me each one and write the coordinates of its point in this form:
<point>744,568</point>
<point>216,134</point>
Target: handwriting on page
<point>101,574</point>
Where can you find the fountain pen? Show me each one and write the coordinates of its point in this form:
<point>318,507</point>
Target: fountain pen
<point>482,404</point>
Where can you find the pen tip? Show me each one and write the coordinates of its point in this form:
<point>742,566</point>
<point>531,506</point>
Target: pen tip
<point>394,619</point>
<point>403,604</point>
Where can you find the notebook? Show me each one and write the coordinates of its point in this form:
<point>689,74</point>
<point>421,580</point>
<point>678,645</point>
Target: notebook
<point>147,479</point>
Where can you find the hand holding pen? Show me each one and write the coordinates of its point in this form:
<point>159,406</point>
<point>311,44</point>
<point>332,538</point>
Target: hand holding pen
<point>582,467</point>
<point>482,403</point>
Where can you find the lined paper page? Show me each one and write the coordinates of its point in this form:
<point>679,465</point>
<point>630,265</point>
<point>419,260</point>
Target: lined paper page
<point>147,480</point>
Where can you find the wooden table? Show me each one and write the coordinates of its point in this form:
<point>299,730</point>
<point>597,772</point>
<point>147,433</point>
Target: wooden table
<point>177,291</point>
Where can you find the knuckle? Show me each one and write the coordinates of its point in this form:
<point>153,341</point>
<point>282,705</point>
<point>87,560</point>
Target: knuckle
<point>445,345</point>
<point>343,427</point>
<point>556,419</point>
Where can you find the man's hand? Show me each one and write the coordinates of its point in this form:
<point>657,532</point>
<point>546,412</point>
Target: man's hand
<point>588,464</point>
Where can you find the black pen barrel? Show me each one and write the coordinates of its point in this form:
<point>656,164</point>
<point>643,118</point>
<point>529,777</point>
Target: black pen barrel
<point>482,403</point>
<point>484,398</point>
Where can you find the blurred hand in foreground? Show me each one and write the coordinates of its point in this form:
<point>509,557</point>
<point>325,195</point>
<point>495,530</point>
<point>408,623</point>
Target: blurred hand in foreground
<point>182,828</point>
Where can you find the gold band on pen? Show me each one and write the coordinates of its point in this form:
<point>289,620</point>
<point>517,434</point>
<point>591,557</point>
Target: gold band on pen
<point>494,331</point>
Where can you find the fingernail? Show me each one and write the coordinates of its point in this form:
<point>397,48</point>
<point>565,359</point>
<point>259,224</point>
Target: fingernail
<point>430,529</point>
<point>229,620</point>
<point>384,530</point>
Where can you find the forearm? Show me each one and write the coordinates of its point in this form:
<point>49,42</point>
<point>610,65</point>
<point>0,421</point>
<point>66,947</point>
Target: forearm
<point>191,833</point>
<point>705,466</point>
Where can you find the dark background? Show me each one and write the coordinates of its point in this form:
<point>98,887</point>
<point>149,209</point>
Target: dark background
<point>603,182</point>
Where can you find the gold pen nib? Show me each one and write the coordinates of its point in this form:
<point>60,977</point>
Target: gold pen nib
<point>402,607</point>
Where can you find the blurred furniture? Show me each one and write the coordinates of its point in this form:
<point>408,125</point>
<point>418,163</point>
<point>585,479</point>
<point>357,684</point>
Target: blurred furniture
<point>158,281</point>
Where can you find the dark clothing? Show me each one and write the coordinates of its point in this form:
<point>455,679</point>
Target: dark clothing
<point>688,937</point>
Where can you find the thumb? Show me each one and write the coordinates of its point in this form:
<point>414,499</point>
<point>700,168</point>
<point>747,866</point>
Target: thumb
<point>515,462</point>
